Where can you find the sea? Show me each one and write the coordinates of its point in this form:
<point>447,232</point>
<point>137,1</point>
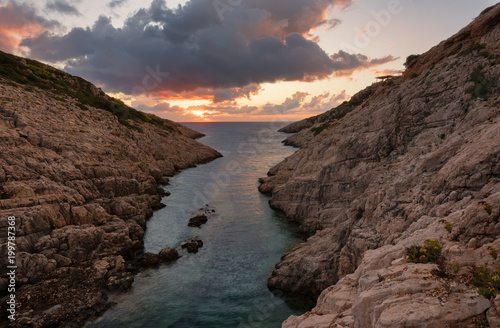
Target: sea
<point>224,284</point>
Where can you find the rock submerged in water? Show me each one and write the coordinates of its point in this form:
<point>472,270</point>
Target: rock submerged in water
<point>204,214</point>
<point>192,245</point>
<point>197,221</point>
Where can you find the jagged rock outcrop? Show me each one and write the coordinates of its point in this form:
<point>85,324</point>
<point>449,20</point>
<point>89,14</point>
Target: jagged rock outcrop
<point>413,157</point>
<point>81,181</point>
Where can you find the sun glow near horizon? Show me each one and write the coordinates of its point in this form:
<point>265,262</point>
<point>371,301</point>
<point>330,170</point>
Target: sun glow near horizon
<point>295,60</point>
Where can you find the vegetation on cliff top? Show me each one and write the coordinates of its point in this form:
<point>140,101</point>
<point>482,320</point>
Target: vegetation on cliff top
<point>32,73</point>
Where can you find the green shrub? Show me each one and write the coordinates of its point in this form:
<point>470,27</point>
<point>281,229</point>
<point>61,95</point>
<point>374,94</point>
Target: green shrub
<point>128,125</point>
<point>40,72</point>
<point>473,47</point>
<point>487,10</point>
<point>62,85</point>
<point>481,85</point>
<point>411,59</point>
<point>486,280</point>
<point>82,106</point>
<point>488,208</point>
<point>413,76</point>
<point>429,252</point>
<point>449,226</point>
<point>320,129</point>
<point>455,267</point>
<point>494,253</point>
<point>486,55</point>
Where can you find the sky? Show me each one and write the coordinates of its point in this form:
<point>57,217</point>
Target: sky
<point>230,60</point>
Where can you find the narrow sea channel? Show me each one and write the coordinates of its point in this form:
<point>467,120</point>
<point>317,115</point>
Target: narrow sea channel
<point>224,285</point>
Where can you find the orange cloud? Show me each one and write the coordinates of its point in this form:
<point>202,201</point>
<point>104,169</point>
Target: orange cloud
<point>213,95</point>
<point>297,106</point>
<point>386,72</point>
<point>18,21</point>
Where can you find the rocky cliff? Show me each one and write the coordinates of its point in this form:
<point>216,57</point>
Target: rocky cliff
<point>399,193</point>
<point>80,171</point>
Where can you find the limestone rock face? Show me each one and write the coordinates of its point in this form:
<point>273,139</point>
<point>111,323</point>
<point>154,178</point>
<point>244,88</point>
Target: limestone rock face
<point>81,185</point>
<point>413,158</point>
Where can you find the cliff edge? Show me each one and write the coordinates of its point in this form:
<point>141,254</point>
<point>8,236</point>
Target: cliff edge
<point>80,172</point>
<point>399,193</point>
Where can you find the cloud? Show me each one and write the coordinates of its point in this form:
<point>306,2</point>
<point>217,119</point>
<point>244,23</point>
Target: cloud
<point>227,109</point>
<point>332,23</point>
<point>215,95</point>
<point>346,64</point>
<point>18,21</point>
<point>290,105</point>
<point>116,3</point>
<point>195,113</point>
<point>62,7</point>
<point>386,72</point>
<point>325,102</point>
<point>337,99</point>
<point>192,50</point>
<point>296,104</point>
<point>165,110</point>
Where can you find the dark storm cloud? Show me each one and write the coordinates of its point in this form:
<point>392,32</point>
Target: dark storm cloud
<point>62,7</point>
<point>190,48</point>
<point>116,3</point>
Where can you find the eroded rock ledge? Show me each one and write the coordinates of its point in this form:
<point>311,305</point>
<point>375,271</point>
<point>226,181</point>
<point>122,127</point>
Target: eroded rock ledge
<point>412,158</point>
<point>81,185</point>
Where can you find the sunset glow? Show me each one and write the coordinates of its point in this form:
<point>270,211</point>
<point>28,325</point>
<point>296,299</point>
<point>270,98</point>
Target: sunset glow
<point>247,62</point>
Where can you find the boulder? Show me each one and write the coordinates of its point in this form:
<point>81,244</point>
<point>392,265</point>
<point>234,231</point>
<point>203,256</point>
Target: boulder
<point>150,260</point>
<point>168,255</point>
<point>192,245</point>
<point>198,220</point>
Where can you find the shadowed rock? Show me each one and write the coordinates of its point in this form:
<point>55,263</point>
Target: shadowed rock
<point>197,221</point>
<point>168,255</point>
<point>192,245</point>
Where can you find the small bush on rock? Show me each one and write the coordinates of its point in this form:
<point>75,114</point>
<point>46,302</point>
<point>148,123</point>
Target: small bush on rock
<point>430,252</point>
<point>486,280</point>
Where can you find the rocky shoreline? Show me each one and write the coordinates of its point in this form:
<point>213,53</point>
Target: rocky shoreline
<point>409,160</point>
<point>81,183</point>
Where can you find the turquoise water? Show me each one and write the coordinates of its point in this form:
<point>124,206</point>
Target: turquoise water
<point>224,285</point>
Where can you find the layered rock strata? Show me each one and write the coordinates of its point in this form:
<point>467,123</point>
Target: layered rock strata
<point>407,159</point>
<point>81,183</point>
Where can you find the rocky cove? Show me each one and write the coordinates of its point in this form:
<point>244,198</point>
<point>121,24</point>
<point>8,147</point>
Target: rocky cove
<point>408,162</point>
